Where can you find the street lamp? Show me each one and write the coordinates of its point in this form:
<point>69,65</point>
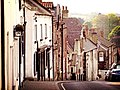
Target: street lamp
<point>17,32</point>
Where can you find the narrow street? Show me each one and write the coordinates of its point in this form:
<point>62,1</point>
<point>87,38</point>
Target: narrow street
<point>90,85</point>
<point>60,45</point>
<point>70,85</point>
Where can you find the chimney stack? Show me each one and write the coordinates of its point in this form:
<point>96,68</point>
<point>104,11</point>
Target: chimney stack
<point>65,12</point>
<point>65,7</point>
<point>62,7</point>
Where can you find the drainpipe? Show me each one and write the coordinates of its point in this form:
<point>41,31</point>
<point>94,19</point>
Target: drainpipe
<point>2,46</point>
<point>19,62</point>
<point>52,49</point>
<point>62,50</point>
<point>24,36</point>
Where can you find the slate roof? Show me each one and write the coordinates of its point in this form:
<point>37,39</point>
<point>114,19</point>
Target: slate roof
<point>89,45</point>
<point>104,42</point>
<point>73,29</point>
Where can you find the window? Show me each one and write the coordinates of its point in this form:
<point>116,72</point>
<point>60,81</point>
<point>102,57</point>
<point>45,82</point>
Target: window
<point>45,31</point>
<point>35,33</point>
<point>41,31</point>
<point>50,30</point>
<point>101,56</point>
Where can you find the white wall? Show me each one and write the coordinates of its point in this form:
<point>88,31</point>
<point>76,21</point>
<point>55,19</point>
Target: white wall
<point>30,47</point>
<point>42,19</point>
<point>12,18</point>
<point>91,65</point>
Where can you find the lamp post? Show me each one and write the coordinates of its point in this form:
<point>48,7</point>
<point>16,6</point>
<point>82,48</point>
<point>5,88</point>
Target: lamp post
<point>17,32</point>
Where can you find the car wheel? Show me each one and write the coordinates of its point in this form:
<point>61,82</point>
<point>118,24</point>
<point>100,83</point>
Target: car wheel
<point>112,78</point>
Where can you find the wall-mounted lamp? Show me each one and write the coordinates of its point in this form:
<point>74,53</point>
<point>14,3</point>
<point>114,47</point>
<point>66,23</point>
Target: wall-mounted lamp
<point>17,32</point>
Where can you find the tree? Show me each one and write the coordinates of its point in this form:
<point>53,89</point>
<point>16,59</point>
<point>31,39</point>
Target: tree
<point>101,23</point>
<point>106,23</point>
<point>113,21</point>
<point>89,24</point>
<point>115,32</point>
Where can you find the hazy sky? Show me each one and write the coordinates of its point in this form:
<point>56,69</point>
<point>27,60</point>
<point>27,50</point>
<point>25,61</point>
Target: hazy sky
<point>88,6</point>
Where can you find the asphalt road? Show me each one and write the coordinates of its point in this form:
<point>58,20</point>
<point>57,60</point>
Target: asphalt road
<point>89,85</point>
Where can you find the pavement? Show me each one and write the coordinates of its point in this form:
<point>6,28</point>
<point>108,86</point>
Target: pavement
<point>40,85</point>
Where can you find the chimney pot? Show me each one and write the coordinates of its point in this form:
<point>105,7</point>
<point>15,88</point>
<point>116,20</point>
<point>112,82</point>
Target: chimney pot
<point>66,8</point>
<point>62,7</point>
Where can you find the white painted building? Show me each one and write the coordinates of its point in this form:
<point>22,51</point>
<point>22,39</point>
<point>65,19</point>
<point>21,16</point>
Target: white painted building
<point>38,32</point>
<point>90,50</point>
<point>13,67</point>
<point>44,38</point>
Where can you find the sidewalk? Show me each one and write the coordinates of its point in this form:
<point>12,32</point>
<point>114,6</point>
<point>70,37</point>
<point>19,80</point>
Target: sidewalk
<point>40,85</point>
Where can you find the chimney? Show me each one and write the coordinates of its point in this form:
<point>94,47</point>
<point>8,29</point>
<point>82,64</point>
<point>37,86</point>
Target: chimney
<point>62,7</point>
<point>65,7</point>
<point>65,12</point>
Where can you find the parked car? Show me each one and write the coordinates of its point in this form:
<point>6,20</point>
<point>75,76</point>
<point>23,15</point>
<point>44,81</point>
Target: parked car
<point>107,75</point>
<point>113,74</point>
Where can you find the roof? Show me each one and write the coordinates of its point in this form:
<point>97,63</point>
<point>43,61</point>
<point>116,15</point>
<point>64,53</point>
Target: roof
<point>104,42</point>
<point>41,8</point>
<point>89,45</point>
<point>73,29</point>
<point>116,41</point>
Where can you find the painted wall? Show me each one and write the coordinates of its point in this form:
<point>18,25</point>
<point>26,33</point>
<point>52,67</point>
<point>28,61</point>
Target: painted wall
<point>30,46</point>
<point>46,23</point>
<point>91,65</point>
<point>12,18</point>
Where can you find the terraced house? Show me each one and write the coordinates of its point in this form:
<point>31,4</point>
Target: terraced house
<point>27,40</point>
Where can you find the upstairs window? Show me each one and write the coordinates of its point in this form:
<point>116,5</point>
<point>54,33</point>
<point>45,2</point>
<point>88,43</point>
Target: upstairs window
<point>101,56</point>
<point>45,31</point>
<point>35,33</point>
<point>41,31</point>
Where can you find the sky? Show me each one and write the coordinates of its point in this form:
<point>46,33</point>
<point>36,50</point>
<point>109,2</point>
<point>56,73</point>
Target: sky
<point>90,6</point>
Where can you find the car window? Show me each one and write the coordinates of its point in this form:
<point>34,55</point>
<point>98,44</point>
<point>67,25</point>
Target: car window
<point>118,67</point>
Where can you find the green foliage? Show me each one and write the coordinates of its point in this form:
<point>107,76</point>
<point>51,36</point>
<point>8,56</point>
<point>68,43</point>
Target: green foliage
<point>114,31</point>
<point>113,21</point>
<point>89,24</point>
<point>106,23</point>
